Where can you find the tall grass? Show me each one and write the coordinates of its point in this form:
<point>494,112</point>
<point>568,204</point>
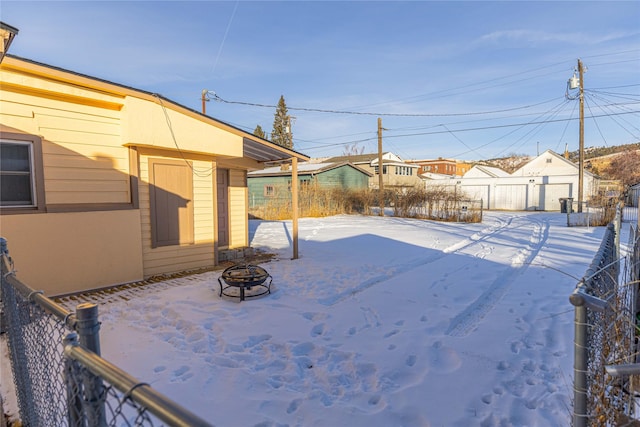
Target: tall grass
<point>313,201</point>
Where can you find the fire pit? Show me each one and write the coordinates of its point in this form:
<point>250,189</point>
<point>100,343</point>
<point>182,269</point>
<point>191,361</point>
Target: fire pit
<point>245,277</point>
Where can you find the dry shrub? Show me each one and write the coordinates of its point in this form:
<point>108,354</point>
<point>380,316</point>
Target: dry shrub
<point>313,201</point>
<point>598,211</point>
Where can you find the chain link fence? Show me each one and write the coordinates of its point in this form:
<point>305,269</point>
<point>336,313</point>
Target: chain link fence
<point>59,377</point>
<point>606,386</point>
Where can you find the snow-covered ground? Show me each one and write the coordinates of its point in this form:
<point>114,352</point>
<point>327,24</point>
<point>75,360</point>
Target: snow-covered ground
<point>381,322</point>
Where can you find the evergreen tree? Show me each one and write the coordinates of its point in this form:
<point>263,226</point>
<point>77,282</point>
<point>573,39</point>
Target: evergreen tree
<point>281,133</point>
<point>259,132</point>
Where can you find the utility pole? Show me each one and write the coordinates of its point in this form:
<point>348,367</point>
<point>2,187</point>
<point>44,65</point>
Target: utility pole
<point>581,154</point>
<point>380,169</point>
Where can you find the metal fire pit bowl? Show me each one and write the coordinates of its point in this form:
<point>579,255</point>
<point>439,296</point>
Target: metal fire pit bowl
<point>245,277</point>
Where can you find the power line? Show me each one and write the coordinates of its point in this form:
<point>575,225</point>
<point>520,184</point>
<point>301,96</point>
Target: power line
<point>366,113</point>
<point>437,132</point>
<point>564,131</point>
<point>607,108</point>
<point>597,125</point>
<point>551,113</point>
<point>509,125</point>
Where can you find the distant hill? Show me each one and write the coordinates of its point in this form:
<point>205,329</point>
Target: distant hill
<point>509,164</point>
<point>594,152</point>
<point>596,158</point>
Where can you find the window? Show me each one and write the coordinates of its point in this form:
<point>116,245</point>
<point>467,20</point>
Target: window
<point>302,183</point>
<point>268,191</point>
<point>549,160</point>
<point>21,181</point>
<point>384,170</point>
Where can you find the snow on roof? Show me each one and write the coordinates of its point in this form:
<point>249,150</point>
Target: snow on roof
<point>303,168</point>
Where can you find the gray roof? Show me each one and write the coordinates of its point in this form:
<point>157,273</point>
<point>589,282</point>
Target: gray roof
<point>304,169</point>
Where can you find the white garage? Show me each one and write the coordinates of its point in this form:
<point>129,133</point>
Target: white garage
<point>538,185</point>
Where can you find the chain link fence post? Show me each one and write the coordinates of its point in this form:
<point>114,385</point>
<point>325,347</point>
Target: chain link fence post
<point>74,397</point>
<point>88,328</point>
<point>580,416</point>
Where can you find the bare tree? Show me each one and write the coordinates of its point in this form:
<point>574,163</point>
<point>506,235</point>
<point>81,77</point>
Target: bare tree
<point>352,150</point>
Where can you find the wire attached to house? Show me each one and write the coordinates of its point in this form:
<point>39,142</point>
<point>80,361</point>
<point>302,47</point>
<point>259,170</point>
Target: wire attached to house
<point>199,173</point>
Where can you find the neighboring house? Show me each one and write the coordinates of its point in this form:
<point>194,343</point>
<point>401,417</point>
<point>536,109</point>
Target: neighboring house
<point>274,182</point>
<point>396,173</point>
<point>537,185</point>
<point>105,184</point>
<point>442,166</point>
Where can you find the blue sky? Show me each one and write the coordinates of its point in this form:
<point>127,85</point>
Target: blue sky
<point>468,80</point>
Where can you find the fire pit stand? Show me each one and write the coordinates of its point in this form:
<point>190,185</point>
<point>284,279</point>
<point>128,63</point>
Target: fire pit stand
<point>245,277</point>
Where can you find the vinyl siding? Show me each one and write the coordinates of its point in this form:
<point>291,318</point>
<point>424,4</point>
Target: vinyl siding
<point>84,160</point>
<point>238,209</point>
<point>174,258</point>
<point>344,177</point>
<point>256,189</point>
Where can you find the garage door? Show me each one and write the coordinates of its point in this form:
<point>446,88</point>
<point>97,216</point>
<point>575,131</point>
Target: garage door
<point>511,197</point>
<point>477,192</point>
<point>551,193</point>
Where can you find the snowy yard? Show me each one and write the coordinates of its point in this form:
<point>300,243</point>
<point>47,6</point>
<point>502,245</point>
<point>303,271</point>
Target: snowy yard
<point>381,322</point>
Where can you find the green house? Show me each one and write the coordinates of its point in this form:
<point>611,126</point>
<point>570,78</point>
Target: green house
<point>275,182</point>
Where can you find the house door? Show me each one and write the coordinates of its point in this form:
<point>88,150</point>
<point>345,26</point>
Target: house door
<point>222,180</point>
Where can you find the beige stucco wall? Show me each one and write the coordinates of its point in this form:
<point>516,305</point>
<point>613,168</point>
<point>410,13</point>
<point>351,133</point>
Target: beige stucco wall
<point>67,252</point>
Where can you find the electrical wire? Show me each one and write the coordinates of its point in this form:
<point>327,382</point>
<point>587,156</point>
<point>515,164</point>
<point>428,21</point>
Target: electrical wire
<point>535,130</point>
<point>606,108</point>
<point>566,126</point>
<point>540,120</point>
<point>203,173</point>
<point>596,122</point>
<point>464,89</point>
<point>367,113</point>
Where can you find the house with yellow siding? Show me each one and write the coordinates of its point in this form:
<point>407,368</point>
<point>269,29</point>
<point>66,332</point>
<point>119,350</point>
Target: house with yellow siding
<point>104,184</point>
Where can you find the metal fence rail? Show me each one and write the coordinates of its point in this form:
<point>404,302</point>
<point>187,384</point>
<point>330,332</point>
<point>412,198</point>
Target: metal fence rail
<point>605,335</point>
<point>59,377</point>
